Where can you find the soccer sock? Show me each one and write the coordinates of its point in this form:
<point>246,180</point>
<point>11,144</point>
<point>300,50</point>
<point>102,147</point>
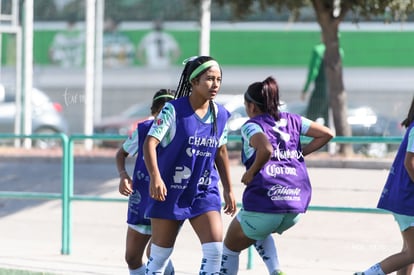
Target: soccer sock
<point>229,262</point>
<point>158,259</point>
<point>138,271</point>
<point>374,270</point>
<point>267,251</point>
<point>169,269</point>
<point>212,252</point>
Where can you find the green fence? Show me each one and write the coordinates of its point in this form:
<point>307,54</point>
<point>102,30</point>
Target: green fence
<point>67,194</point>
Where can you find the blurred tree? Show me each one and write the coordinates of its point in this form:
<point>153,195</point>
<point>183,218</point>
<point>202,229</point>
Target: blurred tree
<point>184,10</point>
<point>74,7</point>
<point>45,10</point>
<point>329,14</point>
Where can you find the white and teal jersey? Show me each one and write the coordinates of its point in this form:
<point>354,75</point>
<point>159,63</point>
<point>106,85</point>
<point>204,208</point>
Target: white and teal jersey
<point>186,157</point>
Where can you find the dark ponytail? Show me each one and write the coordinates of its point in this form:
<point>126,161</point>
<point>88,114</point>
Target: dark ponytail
<point>265,95</point>
<point>410,116</point>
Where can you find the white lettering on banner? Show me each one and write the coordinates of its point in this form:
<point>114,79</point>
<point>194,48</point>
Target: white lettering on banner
<point>203,141</point>
<point>273,170</point>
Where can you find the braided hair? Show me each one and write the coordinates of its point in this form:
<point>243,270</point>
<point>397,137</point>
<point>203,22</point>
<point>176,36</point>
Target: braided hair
<point>194,67</point>
<point>159,99</point>
<point>265,95</point>
<point>410,116</point>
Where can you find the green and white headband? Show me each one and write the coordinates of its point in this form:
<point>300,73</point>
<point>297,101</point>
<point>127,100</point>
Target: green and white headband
<point>163,96</point>
<point>200,68</point>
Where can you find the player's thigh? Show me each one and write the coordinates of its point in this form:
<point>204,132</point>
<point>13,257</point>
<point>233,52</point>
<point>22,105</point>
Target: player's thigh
<point>164,232</point>
<point>135,243</point>
<point>208,227</point>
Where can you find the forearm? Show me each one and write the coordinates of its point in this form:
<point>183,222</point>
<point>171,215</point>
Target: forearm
<point>150,157</point>
<point>315,145</point>
<point>409,164</point>
<point>320,135</point>
<point>262,156</point>
<point>120,157</point>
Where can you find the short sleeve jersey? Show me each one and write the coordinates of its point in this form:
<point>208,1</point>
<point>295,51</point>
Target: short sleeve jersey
<point>186,155</point>
<point>398,193</point>
<point>282,185</point>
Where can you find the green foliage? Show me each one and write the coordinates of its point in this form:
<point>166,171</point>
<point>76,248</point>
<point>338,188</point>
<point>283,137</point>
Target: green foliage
<point>222,10</point>
<point>362,9</point>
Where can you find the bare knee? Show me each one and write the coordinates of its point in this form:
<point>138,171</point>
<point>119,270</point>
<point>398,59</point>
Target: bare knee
<point>133,261</point>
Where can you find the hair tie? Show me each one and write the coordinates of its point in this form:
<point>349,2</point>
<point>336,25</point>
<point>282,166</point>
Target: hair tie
<point>250,98</point>
<point>202,67</point>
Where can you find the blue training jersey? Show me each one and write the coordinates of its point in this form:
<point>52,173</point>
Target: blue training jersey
<point>398,193</point>
<point>138,200</point>
<point>186,160</point>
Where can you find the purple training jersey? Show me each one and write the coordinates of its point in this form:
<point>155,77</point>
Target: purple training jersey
<point>282,185</point>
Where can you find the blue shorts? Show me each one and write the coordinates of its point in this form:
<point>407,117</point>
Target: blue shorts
<point>258,226</point>
<point>404,221</point>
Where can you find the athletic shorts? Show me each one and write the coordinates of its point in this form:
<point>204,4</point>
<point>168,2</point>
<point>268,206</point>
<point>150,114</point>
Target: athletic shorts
<point>404,221</point>
<point>141,228</point>
<point>145,229</point>
<point>258,226</point>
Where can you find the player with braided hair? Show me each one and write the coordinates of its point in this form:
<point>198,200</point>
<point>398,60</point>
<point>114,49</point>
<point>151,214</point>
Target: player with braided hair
<point>185,153</point>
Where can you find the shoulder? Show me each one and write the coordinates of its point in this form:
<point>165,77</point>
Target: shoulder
<point>222,113</point>
<point>257,122</point>
<point>410,132</point>
<point>146,123</point>
<point>291,116</point>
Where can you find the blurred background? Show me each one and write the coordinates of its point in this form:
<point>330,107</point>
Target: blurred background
<point>140,45</point>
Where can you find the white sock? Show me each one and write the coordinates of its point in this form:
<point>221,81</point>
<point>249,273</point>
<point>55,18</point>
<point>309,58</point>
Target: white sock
<point>229,262</point>
<point>374,270</point>
<point>210,264</point>
<point>158,259</point>
<point>138,271</point>
<point>169,269</point>
<point>268,252</point>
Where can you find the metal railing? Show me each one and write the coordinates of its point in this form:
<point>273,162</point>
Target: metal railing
<point>67,195</point>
